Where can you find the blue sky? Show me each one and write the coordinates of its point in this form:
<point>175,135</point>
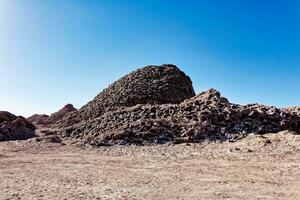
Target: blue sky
<point>54,52</point>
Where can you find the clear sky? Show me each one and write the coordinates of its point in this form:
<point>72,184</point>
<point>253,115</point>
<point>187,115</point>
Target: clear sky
<point>54,52</point>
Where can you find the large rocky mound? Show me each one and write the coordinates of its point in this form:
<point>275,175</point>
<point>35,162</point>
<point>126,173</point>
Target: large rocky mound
<point>115,118</point>
<point>15,128</point>
<point>148,85</point>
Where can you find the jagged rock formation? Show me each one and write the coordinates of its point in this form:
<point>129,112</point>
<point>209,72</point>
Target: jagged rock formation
<point>156,104</point>
<point>148,85</point>
<point>38,119</point>
<point>15,128</point>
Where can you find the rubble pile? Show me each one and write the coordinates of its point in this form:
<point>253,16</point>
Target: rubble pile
<point>156,104</point>
<point>148,85</point>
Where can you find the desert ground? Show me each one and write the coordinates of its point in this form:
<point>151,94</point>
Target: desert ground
<point>256,167</point>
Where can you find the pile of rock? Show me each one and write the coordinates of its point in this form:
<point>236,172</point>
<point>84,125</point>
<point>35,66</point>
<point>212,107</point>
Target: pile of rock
<point>55,117</point>
<point>42,119</point>
<point>15,127</point>
<point>149,85</point>
<point>38,119</point>
<point>156,104</point>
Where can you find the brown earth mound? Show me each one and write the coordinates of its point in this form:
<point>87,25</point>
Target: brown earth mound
<point>15,128</point>
<point>122,114</point>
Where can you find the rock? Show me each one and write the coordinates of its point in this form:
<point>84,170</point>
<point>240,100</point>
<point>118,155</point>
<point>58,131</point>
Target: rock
<point>38,119</point>
<point>43,119</point>
<point>49,139</point>
<point>55,117</point>
<point>157,105</point>
<point>15,128</point>
<point>295,110</point>
<point>148,85</point>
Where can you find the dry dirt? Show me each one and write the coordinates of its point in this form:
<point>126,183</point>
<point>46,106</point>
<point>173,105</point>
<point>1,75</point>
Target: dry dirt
<point>257,167</point>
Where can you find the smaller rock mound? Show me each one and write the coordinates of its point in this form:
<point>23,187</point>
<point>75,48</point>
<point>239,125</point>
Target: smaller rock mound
<point>42,119</point>
<point>61,113</point>
<point>15,128</point>
<point>38,119</point>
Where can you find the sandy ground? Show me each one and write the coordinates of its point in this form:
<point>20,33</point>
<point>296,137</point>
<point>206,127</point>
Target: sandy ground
<point>252,168</point>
